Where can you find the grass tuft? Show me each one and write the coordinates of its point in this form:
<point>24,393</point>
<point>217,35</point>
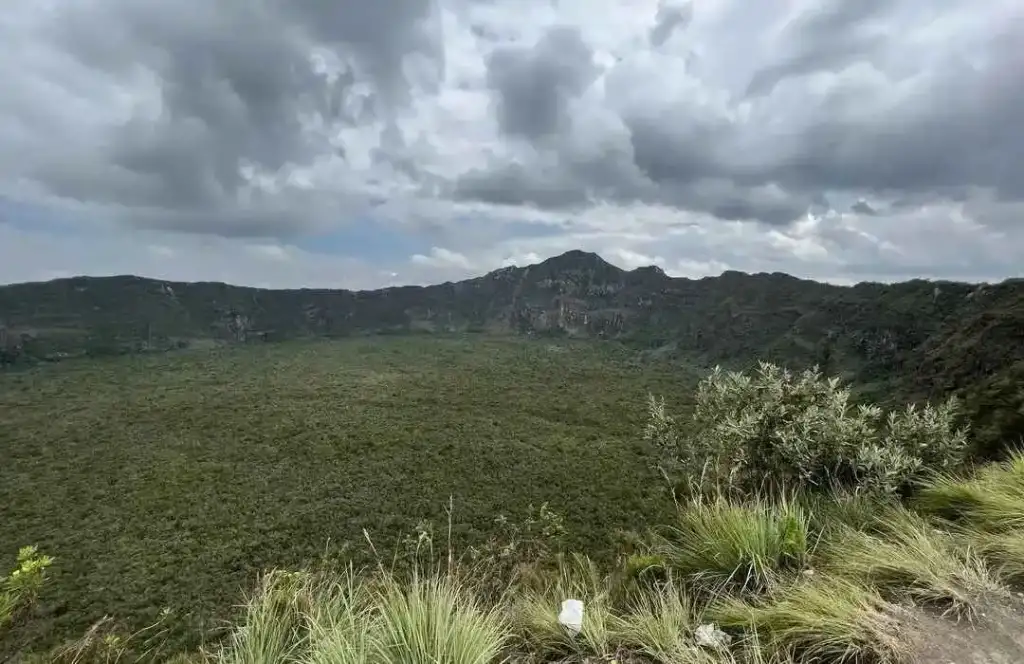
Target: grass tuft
<point>313,619</point>
<point>1005,552</point>
<point>272,626</point>
<point>436,619</point>
<point>748,546</point>
<point>659,625</point>
<point>910,557</point>
<point>536,611</point>
<point>992,500</point>
<point>820,618</point>
<point>339,623</point>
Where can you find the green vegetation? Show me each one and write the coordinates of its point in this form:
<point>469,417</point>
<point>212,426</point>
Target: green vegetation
<point>171,482</point>
<point>897,343</point>
<point>773,431</point>
<point>21,587</point>
<point>732,545</point>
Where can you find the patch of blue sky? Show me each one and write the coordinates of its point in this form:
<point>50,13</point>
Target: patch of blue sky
<point>375,241</point>
<point>34,218</point>
<point>368,241</point>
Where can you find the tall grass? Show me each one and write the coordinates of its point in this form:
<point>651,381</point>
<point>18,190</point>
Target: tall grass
<point>990,501</point>
<point>659,624</point>
<point>748,546</point>
<point>435,619</point>
<point>909,557</point>
<point>1005,552</point>
<point>536,611</point>
<point>339,623</point>
<point>311,619</point>
<point>987,508</point>
<point>273,626</point>
<point>818,618</point>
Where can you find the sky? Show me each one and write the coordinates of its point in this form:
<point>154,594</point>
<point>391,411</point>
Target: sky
<point>357,144</point>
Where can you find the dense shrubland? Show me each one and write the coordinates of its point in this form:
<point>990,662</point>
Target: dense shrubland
<point>807,529</point>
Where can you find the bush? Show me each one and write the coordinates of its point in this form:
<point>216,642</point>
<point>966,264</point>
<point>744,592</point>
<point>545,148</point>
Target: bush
<point>20,588</point>
<point>774,430</point>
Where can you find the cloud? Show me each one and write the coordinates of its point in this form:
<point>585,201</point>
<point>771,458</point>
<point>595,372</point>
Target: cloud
<point>534,83</point>
<point>863,207</point>
<point>434,137</point>
<point>442,258</point>
<point>669,18</point>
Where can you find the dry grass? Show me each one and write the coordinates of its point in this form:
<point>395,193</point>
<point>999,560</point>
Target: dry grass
<point>907,556</point>
<point>990,500</point>
<point>820,618</point>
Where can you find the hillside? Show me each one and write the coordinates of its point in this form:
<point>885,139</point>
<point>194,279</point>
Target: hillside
<point>914,339</point>
<point>164,482</point>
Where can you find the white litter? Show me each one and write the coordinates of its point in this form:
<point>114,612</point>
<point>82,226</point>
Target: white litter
<point>709,636</point>
<point>571,616</point>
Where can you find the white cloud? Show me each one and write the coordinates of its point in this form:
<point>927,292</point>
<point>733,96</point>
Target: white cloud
<point>442,258</point>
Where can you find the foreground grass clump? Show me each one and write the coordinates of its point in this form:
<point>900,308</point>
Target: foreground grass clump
<point>1005,552</point>
<point>744,546</point>
<point>317,619</point>
<point>659,624</point>
<point>536,608</point>
<point>987,508</point>
<point>827,619</point>
<point>21,586</point>
<point>908,556</point>
<point>989,501</point>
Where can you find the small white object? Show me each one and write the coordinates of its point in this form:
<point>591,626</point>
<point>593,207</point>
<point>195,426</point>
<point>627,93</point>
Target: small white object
<point>709,636</point>
<point>571,616</point>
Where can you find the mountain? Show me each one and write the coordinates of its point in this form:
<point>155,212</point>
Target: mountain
<point>916,339</point>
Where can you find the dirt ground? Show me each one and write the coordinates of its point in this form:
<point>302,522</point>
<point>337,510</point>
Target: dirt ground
<point>996,636</point>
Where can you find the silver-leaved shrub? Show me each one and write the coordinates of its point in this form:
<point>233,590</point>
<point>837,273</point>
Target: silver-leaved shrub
<point>774,430</point>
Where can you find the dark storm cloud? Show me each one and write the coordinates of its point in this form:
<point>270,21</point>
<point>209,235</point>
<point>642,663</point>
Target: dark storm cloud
<point>962,129</point>
<point>661,162</point>
<point>862,207</point>
<point>237,87</point>
<point>675,153</point>
<point>516,184</point>
<point>534,83</point>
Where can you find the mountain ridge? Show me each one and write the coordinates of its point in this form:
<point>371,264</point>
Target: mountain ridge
<point>559,260</point>
<point>917,338</point>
